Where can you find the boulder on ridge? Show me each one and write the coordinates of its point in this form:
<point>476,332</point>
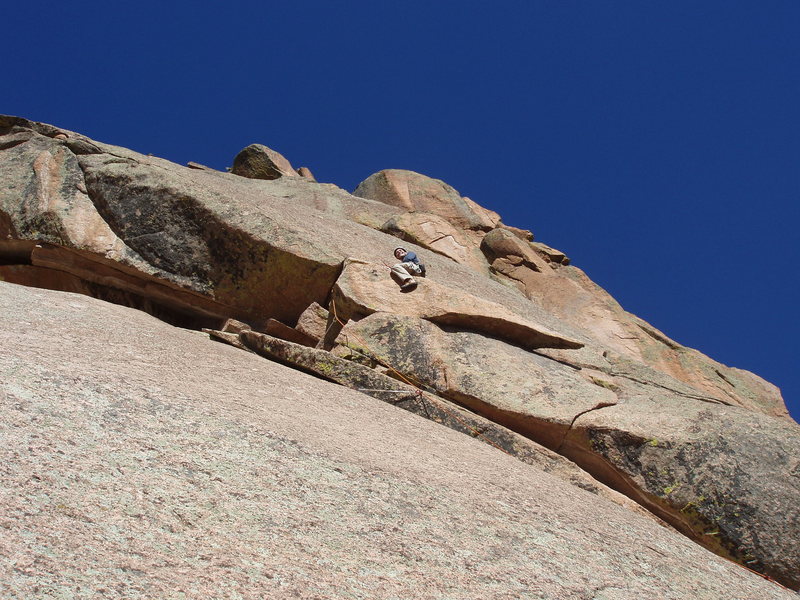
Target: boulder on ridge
<point>306,172</point>
<point>257,161</point>
<point>313,321</point>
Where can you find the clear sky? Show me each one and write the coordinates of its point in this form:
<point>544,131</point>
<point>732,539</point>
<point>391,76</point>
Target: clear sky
<point>656,143</point>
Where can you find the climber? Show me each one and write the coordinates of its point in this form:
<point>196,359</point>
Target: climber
<point>405,270</point>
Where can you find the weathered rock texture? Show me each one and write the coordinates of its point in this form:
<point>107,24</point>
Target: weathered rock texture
<point>694,478</point>
<point>145,461</point>
<point>531,394</point>
<point>503,327</point>
<point>363,289</point>
<point>414,192</point>
<point>259,162</point>
<point>438,234</point>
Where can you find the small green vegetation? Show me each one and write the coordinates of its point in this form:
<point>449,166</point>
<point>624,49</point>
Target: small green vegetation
<point>692,505</point>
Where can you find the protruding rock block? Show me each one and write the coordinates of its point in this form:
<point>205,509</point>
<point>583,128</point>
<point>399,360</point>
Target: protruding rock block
<point>524,391</point>
<point>363,289</point>
<point>726,477</point>
<point>415,192</point>
<point>489,218</point>
<point>550,254</point>
<point>440,235</point>
<point>234,326</point>
<point>526,235</point>
<point>306,172</point>
<point>259,162</point>
<point>502,243</point>
<point>313,322</point>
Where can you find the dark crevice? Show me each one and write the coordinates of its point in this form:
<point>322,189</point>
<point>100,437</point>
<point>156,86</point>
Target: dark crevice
<point>49,266</point>
<point>558,360</point>
<point>579,415</point>
<point>707,399</point>
<point>725,379</point>
<point>659,337</point>
<point>612,373</point>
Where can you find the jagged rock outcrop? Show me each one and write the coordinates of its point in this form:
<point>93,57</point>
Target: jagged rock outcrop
<point>143,460</point>
<point>502,325</point>
<point>503,245</point>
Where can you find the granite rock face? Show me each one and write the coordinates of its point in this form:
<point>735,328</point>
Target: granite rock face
<point>724,476</point>
<point>145,461</point>
<point>503,328</point>
<point>439,235</point>
<point>527,392</point>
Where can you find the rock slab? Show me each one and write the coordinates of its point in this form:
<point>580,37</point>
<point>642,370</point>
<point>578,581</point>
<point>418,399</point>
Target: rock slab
<point>145,461</point>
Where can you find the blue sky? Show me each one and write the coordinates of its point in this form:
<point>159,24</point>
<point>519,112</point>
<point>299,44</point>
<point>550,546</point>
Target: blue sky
<point>657,144</point>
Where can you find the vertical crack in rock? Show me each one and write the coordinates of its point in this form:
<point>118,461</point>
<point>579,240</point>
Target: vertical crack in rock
<point>576,417</point>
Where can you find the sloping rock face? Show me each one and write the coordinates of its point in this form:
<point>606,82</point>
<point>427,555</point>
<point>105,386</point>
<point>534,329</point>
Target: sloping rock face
<point>389,389</point>
<point>724,476</point>
<point>674,455</point>
<point>575,298</point>
<point>503,326</point>
<point>145,461</point>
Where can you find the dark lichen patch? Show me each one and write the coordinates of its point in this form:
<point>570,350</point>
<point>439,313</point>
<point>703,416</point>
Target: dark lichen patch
<point>187,233</point>
<point>679,480</point>
<point>404,347</point>
<point>46,227</point>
